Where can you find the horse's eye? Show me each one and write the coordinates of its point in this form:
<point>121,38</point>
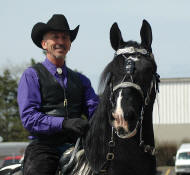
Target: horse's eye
<point>113,101</point>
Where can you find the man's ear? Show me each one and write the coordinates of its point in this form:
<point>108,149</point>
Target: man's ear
<point>44,44</point>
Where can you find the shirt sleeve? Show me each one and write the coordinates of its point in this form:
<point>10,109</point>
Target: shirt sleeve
<point>90,97</point>
<point>29,100</point>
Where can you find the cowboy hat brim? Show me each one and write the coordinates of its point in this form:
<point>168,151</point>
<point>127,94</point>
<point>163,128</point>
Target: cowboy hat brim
<point>40,29</point>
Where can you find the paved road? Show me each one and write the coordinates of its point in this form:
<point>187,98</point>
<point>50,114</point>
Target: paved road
<point>165,171</point>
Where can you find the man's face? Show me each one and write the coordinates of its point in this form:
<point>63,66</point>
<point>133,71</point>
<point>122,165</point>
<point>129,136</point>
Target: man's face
<point>57,44</point>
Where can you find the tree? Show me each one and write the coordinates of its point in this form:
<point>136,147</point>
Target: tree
<point>32,62</point>
<point>11,128</point>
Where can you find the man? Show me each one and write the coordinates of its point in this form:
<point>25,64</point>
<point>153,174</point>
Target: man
<point>52,98</point>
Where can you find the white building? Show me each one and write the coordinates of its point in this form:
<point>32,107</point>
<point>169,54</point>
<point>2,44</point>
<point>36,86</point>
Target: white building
<point>171,115</point>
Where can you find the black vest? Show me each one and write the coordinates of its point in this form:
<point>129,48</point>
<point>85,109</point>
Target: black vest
<point>53,95</point>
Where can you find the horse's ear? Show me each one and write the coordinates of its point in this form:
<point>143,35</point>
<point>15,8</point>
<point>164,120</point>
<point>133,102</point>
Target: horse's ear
<point>146,35</point>
<point>115,36</point>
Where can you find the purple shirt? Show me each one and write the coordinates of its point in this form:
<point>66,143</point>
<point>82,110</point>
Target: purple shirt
<point>29,100</point>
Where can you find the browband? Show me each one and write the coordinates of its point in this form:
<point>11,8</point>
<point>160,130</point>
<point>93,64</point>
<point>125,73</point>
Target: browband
<point>131,50</point>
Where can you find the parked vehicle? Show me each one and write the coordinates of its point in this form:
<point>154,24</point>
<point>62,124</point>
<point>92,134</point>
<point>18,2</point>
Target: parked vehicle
<point>182,162</point>
<point>11,160</point>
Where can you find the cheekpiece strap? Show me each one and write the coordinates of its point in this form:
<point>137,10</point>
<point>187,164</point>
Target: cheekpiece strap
<point>157,79</point>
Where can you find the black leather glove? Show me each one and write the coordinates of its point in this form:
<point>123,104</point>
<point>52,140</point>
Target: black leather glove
<point>76,125</point>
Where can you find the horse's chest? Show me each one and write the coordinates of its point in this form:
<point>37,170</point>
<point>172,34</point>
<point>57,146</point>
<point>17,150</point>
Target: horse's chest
<point>131,161</point>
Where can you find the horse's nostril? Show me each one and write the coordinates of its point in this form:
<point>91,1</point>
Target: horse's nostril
<point>121,131</point>
<point>129,118</point>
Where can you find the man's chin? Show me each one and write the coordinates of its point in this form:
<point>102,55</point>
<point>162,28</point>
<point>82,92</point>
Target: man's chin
<point>60,56</point>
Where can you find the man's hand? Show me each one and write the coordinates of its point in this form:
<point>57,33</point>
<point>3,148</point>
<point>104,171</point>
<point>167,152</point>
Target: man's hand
<point>76,125</point>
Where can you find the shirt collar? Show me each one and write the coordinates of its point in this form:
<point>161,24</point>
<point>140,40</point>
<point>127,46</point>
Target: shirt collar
<point>52,68</point>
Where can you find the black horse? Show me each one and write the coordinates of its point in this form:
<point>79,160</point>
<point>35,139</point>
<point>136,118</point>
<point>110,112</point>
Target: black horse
<point>121,139</point>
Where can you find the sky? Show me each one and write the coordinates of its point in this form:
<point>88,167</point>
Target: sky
<point>91,51</point>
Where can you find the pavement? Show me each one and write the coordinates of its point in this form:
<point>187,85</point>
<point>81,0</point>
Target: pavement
<point>166,170</point>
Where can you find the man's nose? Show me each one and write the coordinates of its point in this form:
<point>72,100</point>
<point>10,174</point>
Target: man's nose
<point>60,40</point>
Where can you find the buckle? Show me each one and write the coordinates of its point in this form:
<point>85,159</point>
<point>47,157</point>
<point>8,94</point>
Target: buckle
<point>103,171</point>
<point>110,156</point>
<point>150,150</point>
<point>111,143</point>
<point>147,148</point>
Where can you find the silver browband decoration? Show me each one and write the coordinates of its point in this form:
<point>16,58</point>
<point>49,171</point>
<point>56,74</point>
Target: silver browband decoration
<point>130,50</point>
<point>129,84</point>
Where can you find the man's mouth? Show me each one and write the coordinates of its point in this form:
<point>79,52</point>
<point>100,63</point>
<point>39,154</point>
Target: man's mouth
<point>60,47</point>
<point>60,50</point>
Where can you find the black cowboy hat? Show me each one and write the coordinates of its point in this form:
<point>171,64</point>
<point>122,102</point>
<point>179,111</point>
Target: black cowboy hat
<point>57,22</point>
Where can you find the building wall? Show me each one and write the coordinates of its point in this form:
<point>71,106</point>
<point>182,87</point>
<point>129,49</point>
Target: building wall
<point>172,133</point>
<point>171,115</point>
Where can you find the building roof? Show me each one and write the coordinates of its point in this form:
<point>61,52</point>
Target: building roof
<point>182,79</point>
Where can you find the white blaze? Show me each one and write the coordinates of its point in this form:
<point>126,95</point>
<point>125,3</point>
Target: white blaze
<point>118,115</point>
<point>119,110</point>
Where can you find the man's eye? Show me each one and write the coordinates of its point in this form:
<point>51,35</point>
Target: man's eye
<point>55,37</point>
<point>64,37</point>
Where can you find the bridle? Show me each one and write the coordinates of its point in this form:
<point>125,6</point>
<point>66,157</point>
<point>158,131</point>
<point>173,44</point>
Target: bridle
<point>128,53</point>
<point>130,66</point>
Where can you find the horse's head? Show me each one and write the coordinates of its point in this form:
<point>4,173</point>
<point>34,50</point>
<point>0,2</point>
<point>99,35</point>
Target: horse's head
<point>131,80</point>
